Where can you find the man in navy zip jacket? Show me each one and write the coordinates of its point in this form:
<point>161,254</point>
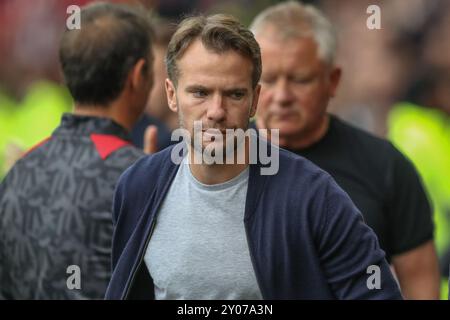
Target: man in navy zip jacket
<point>231,231</point>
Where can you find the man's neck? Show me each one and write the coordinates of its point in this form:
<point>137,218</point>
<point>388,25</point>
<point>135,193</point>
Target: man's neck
<point>110,112</point>
<point>305,140</point>
<point>218,173</point>
<point>172,122</point>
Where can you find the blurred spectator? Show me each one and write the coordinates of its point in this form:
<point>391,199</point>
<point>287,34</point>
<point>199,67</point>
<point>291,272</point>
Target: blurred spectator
<point>157,106</point>
<point>56,201</point>
<point>379,64</point>
<point>421,129</point>
<point>158,114</point>
<point>29,73</point>
<point>24,124</point>
<point>420,126</point>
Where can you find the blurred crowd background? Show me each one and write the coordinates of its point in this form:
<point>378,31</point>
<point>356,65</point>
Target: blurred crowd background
<point>396,80</point>
<point>407,60</point>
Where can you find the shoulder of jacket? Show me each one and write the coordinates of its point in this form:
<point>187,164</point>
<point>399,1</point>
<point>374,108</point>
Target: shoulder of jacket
<point>147,169</point>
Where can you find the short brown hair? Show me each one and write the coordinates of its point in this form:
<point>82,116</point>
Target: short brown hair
<point>94,60</point>
<point>218,33</point>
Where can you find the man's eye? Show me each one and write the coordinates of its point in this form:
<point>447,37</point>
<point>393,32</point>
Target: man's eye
<point>199,94</point>
<point>301,80</point>
<point>268,80</point>
<point>237,95</point>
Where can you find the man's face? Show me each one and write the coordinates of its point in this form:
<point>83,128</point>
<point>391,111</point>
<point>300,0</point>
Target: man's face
<point>215,89</point>
<point>157,102</point>
<point>296,87</point>
<point>143,80</point>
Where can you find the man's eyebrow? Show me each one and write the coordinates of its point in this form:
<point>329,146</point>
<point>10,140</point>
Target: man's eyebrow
<point>196,87</point>
<point>237,89</point>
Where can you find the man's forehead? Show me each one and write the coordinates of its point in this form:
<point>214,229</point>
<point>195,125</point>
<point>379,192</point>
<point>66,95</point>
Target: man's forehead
<point>197,49</point>
<point>284,33</point>
<point>301,51</point>
<point>215,80</point>
<point>268,42</point>
<point>198,64</point>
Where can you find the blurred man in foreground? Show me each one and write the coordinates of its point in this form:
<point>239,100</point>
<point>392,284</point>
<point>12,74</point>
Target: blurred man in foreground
<point>55,203</point>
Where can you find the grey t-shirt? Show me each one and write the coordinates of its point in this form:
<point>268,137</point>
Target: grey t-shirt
<point>199,248</point>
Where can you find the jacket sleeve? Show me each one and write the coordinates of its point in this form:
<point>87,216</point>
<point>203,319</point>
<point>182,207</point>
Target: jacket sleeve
<point>353,262</point>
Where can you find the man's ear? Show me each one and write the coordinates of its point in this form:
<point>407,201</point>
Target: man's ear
<point>335,78</point>
<point>171,95</point>
<point>254,105</point>
<point>139,75</point>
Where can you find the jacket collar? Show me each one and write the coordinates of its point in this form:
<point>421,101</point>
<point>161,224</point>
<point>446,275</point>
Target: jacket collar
<point>72,124</point>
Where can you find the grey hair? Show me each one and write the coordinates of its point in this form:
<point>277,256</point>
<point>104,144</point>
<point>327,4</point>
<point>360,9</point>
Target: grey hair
<point>292,19</point>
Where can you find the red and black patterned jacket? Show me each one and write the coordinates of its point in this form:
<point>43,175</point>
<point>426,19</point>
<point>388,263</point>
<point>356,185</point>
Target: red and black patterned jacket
<point>55,211</point>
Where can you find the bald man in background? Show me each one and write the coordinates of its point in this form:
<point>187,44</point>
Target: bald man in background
<point>299,77</point>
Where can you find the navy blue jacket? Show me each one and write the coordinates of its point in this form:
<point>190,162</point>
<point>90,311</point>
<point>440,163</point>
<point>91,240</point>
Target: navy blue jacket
<point>306,238</point>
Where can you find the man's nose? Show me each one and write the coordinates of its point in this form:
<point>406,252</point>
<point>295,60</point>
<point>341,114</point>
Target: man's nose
<point>282,94</point>
<point>216,110</point>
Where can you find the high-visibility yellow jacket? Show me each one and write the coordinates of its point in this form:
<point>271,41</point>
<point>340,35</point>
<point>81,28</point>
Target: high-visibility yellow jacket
<point>423,134</point>
<point>26,123</point>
